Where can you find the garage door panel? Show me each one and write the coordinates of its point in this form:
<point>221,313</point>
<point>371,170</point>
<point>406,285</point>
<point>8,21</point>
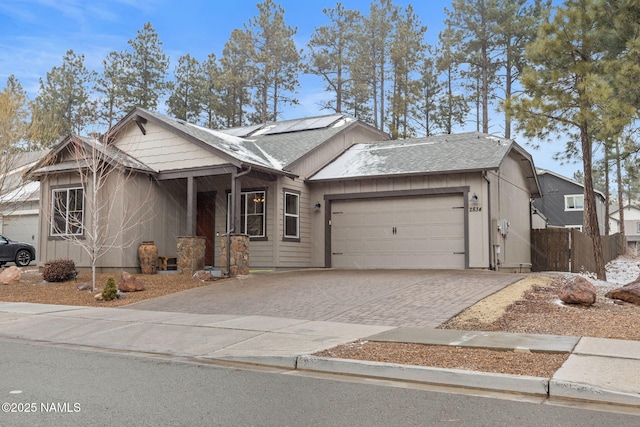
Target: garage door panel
<point>412,232</point>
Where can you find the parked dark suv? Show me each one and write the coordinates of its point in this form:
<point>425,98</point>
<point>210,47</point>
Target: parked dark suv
<point>20,253</point>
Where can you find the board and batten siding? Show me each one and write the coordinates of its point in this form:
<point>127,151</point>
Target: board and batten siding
<point>511,202</point>
<point>143,208</point>
<point>162,150</point>
<point>295,253</point>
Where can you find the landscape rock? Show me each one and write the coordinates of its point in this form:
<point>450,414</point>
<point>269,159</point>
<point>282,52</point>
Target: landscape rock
<point>205,276</point>
<point>120,295</point>
<point>99,297</point>
<point>84,286</point>
<point>129,283</point>
<point>578,290</point>
<point>10,276</point>
<point>629,293</point>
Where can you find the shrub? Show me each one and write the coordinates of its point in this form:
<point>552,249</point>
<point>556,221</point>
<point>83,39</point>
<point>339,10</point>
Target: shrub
<point>59,270</point>
<point>110,289</point>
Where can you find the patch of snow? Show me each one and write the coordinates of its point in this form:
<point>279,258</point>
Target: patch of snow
<point>620,271</point>
<point>275,162</point>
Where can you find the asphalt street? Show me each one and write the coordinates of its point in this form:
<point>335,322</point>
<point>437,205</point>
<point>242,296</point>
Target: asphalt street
<point>64,386</point>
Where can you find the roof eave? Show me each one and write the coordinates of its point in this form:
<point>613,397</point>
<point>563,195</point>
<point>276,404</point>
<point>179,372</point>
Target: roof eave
<point>400,175</point>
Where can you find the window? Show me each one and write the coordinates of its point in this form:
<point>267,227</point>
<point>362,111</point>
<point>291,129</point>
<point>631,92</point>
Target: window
<point>67,212</point>
<point>291,215</point>
<point>574,202</point>
<point>637,227</point>
<point>252,213</point>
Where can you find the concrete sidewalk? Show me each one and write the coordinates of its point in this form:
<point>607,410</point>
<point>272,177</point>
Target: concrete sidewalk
<point>597,370</point>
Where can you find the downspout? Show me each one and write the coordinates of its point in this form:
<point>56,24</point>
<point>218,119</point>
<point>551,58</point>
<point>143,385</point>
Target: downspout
<point>484,175</point>
<point>232,225</point>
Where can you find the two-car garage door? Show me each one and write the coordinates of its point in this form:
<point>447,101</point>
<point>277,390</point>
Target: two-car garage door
<point>398,232</point>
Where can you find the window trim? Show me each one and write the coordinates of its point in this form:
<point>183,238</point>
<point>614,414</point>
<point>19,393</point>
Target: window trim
<point>52,229</point>
<point>573,196</point>
<point>286,215</point>
<point>243,194</point>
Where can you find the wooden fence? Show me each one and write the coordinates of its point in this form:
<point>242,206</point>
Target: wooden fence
<point>568,249</point>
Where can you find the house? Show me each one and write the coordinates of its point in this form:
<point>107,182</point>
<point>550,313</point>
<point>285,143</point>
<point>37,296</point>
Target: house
<point>563,201</point>
<point>19,200</point>
<point>631,225</point>
<point>325,191</point>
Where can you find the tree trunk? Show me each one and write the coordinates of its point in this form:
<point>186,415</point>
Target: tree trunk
<point>590,214</point>
<point>623,239</point>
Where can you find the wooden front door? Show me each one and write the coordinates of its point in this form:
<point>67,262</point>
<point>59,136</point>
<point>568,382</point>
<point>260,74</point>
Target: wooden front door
<point>205,221</point>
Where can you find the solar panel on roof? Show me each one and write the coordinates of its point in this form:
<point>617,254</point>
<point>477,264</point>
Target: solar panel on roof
<point>303,124</point>
<point>242,131</point>
<point>281,127</point>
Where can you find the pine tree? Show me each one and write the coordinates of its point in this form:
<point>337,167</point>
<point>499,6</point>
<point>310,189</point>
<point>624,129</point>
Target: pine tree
<point>406,49</point>
<point>452,106</point>
<point>188,91</point>
<point>430,90</point>
<point>237,74</point>
<point>212,92</point>
<point>147,67</point>
<point>518,22</point>
<point>329,52</point>
<point>275,60</point>
<point>559,88</point>
<point>62,106</point>
<point>474,21</point>
<point>111,84</point>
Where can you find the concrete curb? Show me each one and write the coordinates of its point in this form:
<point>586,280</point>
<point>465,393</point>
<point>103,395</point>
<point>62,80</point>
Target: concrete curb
<point>423,374</point>
<point>286,362</point>
<point>585,392</point>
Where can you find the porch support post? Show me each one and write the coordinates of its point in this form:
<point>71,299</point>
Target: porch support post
<point>191,206</point>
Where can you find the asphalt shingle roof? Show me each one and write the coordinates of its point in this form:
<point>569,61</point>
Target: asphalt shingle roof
<point>437,154</point>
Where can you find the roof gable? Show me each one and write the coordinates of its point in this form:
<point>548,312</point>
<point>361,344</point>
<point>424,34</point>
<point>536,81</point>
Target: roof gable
<point>270,147</point>
<point>62,159</point>
<point>556,176</point>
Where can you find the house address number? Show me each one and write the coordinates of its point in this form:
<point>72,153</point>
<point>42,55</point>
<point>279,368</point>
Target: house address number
<point>475,209</point>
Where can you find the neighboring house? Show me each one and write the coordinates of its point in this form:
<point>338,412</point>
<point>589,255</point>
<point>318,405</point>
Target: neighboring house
<point>324,191</point>
<point>631,224</point>
<point>562,203</point>
<point>19,200</point>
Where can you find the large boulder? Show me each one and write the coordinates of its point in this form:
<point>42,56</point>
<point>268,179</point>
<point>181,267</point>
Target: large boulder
<point>10,276</point>
<point>129,283</point>
<point>578,290</point>
<point>629,293</point>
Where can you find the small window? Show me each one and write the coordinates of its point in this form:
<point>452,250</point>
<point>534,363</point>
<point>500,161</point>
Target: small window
<point>574,202</point>
<point>291,215</point>
<point>637,227</point>
<point>67,212</point>
<point>252,213</point>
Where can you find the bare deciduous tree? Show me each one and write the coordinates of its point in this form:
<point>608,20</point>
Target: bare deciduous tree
<point>100,215</point>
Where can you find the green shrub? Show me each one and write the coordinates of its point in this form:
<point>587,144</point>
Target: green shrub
<point>59,270</point>
<point>110,289</point>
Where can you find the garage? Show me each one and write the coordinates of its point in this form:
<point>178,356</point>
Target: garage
<point>21,228</point>
<point>399,232</point>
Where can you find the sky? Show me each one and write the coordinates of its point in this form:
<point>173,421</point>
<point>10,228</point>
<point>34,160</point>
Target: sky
<point>35,34</point>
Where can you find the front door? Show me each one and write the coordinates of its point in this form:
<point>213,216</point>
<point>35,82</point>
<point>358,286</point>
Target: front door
<point>205,221</point>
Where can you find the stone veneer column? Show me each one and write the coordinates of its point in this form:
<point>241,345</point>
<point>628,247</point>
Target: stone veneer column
<point>239,249</point>
<point>190,254</point>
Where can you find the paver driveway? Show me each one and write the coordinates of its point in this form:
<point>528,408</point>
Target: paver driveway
<point>408,298</point>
